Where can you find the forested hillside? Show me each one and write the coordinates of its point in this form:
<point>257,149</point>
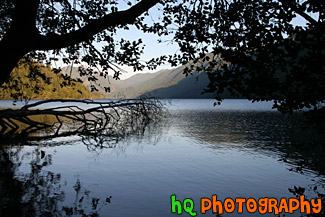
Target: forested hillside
<point>36,81</point>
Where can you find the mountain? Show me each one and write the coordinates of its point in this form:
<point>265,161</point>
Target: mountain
<point>166,83</point>
<point>191,86</point>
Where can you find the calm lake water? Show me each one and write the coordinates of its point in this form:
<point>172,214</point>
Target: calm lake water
<point>233,150</point>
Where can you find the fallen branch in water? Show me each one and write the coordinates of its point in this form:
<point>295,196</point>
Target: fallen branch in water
<point>87,118</point>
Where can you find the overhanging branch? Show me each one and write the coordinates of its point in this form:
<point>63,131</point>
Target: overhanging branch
<point>306,16</point>
<point>128,16</point>
<point>297,8</point>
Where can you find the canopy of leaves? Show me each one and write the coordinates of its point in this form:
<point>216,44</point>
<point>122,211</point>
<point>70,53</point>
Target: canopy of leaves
<point>75,31</point>
<point>266,56</point>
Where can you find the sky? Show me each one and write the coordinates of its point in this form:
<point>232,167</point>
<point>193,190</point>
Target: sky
<point>152,48</point>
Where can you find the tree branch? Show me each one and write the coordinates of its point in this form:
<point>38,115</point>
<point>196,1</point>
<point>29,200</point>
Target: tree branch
<point>301,12</point>
<point>51,42</point>
<point>306,16</point>
<point>25,13</point>
<point>113,119</point>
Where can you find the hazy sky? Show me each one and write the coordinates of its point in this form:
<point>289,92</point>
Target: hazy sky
<point>152,48</point>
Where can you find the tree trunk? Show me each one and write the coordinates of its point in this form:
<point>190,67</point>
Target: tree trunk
<point>23,36</point>
<point>10,53</point>
<point>18,40</point>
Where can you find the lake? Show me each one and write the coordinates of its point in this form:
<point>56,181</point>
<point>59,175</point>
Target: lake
<point>237,150</point>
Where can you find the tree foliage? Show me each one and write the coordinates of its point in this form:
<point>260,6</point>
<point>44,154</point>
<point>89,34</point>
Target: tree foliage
<point>31,80</point>
<point>69,28</point>
<point>264,55</point>
<point>270,58</point>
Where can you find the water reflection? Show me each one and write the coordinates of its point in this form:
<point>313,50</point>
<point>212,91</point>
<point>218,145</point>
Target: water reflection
<point>98,122</point>
<point>260,133</point>
<point>193,154</point>
<point>240,130</point>
<point>32,190</point>
<point>29,187</point>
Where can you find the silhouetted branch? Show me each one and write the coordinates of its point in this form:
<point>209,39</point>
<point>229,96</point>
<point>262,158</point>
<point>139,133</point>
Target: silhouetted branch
<point>128,16</point>
<point>114,119</point>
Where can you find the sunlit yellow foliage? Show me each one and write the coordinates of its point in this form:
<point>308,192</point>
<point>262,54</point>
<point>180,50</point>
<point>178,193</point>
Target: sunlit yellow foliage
<point>31,80</point>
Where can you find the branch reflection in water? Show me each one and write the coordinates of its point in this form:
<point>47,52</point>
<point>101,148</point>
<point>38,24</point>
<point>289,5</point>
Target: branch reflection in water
<point>194,152</point>
<point>27,185</point>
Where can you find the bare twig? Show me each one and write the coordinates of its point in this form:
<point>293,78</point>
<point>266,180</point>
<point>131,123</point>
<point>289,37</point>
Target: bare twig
<point>113,119</point>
